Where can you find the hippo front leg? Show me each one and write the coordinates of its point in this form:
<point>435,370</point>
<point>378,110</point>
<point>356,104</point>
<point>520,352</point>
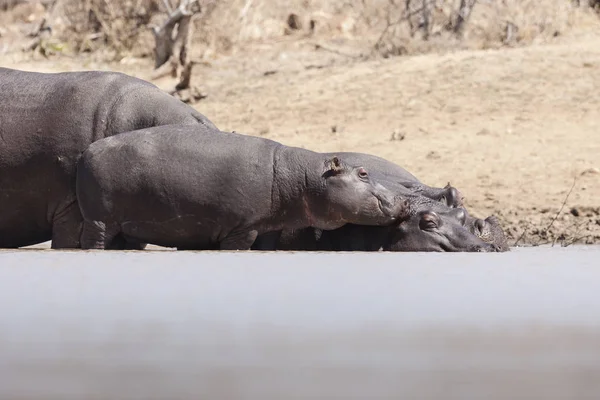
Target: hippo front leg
<point>66,227</point>
<point>98,235</point>
<point>239,240</point>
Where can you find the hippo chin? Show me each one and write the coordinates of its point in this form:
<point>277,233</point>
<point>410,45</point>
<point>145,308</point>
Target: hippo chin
<point>187,187</point>
<point>46,122</point>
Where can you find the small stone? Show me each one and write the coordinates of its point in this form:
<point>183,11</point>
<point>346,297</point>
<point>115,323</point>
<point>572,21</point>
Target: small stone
<point>432,155</point>
<point>293,22</point>
<point>575,212</point>
<point>397,135</point>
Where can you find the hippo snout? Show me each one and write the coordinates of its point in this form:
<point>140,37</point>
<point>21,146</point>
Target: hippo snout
<point>486,248</point>
<point>394,206</point>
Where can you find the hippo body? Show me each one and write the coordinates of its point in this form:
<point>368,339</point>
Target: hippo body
<point>187,187</point>
<point>46,122</point>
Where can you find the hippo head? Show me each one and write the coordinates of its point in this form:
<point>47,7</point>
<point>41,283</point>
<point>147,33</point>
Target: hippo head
<point>350,195</point>
<point>428,230</point>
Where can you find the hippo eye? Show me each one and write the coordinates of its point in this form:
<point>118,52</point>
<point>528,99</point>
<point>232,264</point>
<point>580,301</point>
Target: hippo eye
<point>429,222</point>
<point>428,225</point>
<point>363,173</point>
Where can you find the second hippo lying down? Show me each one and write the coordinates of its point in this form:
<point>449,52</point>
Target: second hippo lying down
<point>185,187</point>
<point>429,227</point>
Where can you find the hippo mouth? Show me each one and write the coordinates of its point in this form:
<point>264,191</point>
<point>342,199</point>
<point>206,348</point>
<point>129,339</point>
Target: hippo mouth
<point>387,211</point>
<point>448,247</point>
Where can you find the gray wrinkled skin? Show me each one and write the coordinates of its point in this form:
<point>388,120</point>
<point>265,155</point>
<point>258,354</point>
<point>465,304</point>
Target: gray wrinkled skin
<point>190,188</point>
<point>46,122</point>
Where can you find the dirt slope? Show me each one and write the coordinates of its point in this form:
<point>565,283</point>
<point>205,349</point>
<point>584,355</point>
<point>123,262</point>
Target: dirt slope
<point>511,128</point>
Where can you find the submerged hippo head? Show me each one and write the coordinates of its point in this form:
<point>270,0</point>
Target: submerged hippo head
<point>428,230</point>
<point>350,195</point>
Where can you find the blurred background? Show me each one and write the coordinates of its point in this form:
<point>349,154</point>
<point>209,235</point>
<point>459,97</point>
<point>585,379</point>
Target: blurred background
<point>498,97</point>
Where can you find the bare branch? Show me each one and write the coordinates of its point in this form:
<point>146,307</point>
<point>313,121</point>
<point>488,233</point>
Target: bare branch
<point>463,14</point>
<point>522,235</point>
<point>168,6</point>
<point>561,208</point>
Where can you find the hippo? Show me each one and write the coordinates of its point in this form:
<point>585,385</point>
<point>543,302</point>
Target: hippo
<point>46,121</point>
<point>190,188</point>
<point>423,230</point>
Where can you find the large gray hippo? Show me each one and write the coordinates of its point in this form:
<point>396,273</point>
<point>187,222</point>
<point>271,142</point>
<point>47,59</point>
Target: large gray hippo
<point>187,187</point>
<point>46,122</point>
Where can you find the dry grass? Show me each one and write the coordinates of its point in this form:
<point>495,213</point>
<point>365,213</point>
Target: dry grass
<point>366,23</point>
<point>90,25</point>
<point>375,27</point>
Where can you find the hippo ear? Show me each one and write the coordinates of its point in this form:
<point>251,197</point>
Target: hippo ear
<point>333,166</point>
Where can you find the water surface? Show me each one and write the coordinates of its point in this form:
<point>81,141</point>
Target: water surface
<point>291,325</point>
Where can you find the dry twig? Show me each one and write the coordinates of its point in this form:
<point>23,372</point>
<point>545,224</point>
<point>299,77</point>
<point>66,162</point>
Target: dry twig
<point>545,231</point>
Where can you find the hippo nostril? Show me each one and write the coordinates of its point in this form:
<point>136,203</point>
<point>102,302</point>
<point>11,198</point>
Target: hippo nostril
<point>487,248</point>
<point>482,248</point>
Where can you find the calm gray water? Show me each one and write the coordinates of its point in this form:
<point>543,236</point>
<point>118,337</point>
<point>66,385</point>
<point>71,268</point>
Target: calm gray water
<point>249,325</point>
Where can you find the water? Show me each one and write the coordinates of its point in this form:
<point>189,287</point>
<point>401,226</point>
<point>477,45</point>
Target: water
<point>250,325</point>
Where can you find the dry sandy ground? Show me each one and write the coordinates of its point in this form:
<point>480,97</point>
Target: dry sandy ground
<point>513,129</point>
